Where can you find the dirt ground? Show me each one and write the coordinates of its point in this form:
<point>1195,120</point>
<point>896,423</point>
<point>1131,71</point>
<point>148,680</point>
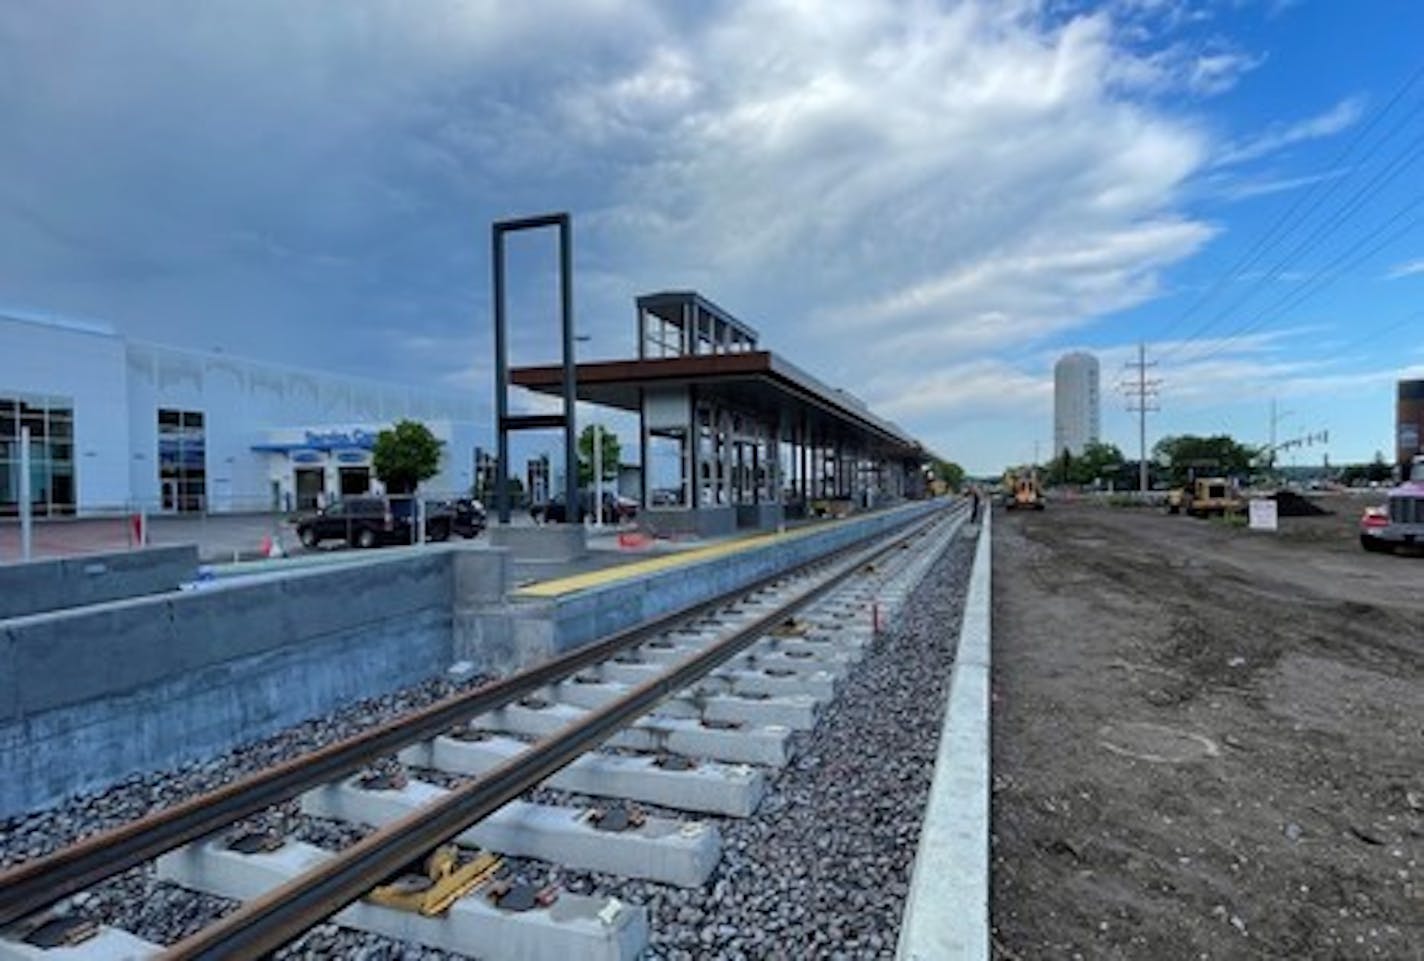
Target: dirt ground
<point>1208,742</point>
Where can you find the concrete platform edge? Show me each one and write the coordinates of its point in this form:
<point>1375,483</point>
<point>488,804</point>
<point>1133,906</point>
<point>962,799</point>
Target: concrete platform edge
<point>946,914</point>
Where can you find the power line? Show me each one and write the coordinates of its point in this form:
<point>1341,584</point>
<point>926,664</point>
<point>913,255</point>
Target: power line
<point>1266,240</point>
<point>1322,232</point>
<point>1323,277</point>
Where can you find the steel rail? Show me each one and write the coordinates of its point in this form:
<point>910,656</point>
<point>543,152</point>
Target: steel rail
<point>264,924</point>
<point>33,885</point>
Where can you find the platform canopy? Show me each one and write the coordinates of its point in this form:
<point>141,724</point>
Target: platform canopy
<point>757,381</point>
<point>732,436</point>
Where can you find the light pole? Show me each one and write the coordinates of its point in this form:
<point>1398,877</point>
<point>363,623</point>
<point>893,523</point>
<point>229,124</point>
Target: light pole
<point>597,475</point>
<point>27,506</point>
<point>597,459</point>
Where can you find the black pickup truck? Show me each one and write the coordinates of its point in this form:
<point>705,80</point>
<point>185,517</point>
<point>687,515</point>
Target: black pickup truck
<point>372,520</point>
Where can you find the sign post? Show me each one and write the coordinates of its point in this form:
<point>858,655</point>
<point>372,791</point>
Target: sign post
<point>1263,514</point>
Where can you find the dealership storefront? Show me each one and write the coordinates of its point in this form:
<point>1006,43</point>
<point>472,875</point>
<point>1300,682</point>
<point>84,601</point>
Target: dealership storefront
<point>308,468</point>
<point>50,421</point>
<point>116,425</point>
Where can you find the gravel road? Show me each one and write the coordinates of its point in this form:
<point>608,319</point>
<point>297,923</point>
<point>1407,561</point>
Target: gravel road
<point>1207,740</point>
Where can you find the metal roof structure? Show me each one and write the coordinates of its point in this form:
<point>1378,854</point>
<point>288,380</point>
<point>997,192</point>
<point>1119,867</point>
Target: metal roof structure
<point>755,380</point>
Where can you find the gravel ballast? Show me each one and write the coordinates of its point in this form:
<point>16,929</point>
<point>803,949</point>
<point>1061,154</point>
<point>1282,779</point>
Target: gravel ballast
<point>821,870</point>
<point>136,902</point>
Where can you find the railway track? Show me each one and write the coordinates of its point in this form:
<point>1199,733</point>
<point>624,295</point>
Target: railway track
<point>699,710</point>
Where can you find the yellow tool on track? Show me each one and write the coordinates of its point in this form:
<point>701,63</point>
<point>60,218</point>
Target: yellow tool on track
<point>445,881</point>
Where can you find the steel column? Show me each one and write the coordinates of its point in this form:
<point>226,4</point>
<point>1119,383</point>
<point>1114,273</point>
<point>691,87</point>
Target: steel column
<point>504,423</point>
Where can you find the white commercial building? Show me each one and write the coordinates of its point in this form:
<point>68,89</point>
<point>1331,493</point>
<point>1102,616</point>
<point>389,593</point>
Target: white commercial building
<point>121,425</point>
<point>1077,408</point>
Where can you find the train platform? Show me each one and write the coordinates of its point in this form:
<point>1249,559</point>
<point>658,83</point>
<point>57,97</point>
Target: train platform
<point>621,555</point>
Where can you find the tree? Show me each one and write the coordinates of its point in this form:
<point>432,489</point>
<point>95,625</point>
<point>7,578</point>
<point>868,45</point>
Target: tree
<point>1097,462</point>
<point>949,472</point>
<point>405,455</point>
<point>609,459</point>
<point>1378,470</point>
<point>1188,455</point>
<point>516,490</point>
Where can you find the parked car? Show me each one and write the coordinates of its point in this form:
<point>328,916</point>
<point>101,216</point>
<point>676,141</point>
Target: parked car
<point>468,517</point>
<point>615,509</point>
<point>370,520</point>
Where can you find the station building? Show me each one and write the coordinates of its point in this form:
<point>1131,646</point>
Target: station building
<point>119,425</point>
<point>732,436</point>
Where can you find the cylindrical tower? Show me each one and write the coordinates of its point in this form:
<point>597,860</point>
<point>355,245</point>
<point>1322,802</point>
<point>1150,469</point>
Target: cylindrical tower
<point>1077,415</point>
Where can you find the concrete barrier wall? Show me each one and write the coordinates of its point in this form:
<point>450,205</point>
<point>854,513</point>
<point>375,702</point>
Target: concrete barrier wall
<point>30,587</point>
<point>946,914</point>
<point>528,631</point>
<point>93,694</point>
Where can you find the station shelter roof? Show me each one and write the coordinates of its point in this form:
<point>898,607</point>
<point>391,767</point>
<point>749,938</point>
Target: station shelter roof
<point>756,381</point>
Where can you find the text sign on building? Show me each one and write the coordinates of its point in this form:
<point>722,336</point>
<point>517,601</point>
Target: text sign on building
<point>1263,514</point>
<point>361,439</point>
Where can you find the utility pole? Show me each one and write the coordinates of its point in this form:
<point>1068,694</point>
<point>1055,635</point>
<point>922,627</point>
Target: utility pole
<point>1276,418</point>
<point>1141,393</point>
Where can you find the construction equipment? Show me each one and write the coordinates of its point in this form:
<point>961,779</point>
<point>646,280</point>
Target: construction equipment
<point>1205,497</point>
<point>1022,491</point>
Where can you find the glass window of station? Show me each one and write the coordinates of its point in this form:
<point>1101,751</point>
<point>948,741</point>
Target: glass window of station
<point>182,461</point>
<point>51,424</point>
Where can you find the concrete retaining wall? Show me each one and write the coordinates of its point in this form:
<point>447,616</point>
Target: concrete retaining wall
<point>546,542</point>
<point>49,585</point>
<point>530,630</point>
<point>92,694</point>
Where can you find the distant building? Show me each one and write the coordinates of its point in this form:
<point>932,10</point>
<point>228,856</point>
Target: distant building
<point>1077,410</point>
<point>1410,421</point>
<point>119,425</point>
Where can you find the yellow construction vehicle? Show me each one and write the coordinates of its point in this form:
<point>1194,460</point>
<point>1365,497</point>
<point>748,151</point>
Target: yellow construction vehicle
<point>1205,497</point>
<point>1022,490</point>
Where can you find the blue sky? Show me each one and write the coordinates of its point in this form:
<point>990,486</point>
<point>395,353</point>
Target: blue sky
<point>924,203</point>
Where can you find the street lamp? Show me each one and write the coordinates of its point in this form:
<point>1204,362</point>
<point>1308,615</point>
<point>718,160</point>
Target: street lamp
<point>597,459</point>
<point>598,475</point>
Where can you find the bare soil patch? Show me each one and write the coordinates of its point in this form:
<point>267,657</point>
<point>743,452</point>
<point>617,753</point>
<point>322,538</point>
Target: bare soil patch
<point>1208,742</point>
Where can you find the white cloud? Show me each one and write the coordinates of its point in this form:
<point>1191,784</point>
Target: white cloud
<point>1279,136</point>
<point>1408,268</point>
<point>1215,73</point>
<point>918,168</point>
<point>1246,189</point>
<point>922,186</point>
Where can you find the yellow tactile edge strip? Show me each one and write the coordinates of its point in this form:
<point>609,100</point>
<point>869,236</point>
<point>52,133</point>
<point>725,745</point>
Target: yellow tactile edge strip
<point>620,572</point>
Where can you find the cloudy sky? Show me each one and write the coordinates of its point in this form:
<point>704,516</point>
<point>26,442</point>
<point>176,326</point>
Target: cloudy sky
<point>923,202</point>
